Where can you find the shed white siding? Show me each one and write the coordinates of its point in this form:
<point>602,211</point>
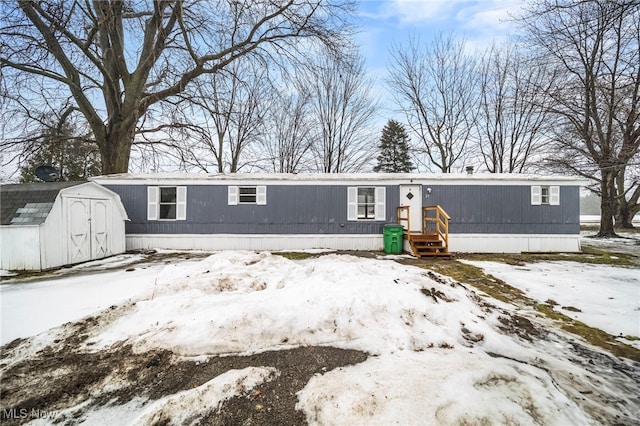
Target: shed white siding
<point>51,244</point>
<point>20,247</point>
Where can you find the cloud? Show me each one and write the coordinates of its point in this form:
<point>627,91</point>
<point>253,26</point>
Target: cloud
<point>459,13</point>
<point>416,11</point>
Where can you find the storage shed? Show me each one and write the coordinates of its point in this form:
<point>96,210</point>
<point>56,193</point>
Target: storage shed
<point>46,225</point>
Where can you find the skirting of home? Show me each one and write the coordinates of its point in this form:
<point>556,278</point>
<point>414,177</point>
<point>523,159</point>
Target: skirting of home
<point>463,243</point>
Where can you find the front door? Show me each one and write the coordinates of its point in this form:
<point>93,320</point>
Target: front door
<point>411,195</point>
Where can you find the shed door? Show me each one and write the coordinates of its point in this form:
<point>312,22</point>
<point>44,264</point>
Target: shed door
<point>79,225</point>
<point>99,229</point>
<point>411,195</point>
<point>88,224</point>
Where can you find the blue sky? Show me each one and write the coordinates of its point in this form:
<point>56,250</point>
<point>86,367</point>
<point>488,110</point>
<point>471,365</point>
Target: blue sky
<point>385,22</point>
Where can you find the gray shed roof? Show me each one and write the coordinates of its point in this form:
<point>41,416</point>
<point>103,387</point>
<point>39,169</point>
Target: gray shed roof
<point>29,203</point>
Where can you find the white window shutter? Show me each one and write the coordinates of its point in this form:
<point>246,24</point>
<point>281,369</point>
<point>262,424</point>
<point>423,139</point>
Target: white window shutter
<point>536,195</point>
<point>381,212</point>
<point>232,193</point>
<point>352,203</point>
<point>181,203</point>
<point>261,195</point>
<point>554,195</point>
<point>153,200</point>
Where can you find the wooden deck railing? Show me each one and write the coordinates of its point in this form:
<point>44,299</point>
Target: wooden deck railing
<point>433,237</point>
<point>435,221</point>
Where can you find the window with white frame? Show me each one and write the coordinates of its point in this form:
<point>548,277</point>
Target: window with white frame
<point>366,203</point>
<point>247,195</point>
<point>545,195</point>
<point>166,203</point>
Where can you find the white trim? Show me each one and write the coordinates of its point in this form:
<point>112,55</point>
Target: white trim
<point>554,195</point>
<point>352,203</point>
<point>381,200</point>
<point>464,243</point>
<point>350,179</point>
<point>232,195</point>
<point>261,195</point>
<point>181,203</point>
<point>208,242</point>
<point>536,195</point>
<point>514,243</point>
<point>153,202</point>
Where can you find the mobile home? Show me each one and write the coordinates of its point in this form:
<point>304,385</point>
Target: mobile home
<point>481,212</point>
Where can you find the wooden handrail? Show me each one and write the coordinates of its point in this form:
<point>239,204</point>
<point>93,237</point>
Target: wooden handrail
<point>440,221</point>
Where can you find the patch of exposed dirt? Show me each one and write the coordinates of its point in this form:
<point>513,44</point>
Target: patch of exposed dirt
<point>55,380</point>
<point>518,326</point>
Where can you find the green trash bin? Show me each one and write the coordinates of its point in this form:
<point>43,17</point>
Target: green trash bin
<point>392,235</point>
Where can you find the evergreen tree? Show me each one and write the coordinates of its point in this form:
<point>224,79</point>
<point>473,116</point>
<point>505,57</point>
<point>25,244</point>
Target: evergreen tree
<point>394,150</point>
<point>75,157</point>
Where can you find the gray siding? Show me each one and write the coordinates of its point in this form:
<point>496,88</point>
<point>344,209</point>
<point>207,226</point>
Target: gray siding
<point>322,209</point>
<point>505,210</point>
<point>290,209</point>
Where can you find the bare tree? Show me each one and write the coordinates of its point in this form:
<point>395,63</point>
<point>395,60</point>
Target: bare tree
<point>342,109</point>
<point>226,116</point>
<point>595,47</point>
<point>118,58</point>
<point>286,142</point>
<point>512,113</point>
<point>435,86</point>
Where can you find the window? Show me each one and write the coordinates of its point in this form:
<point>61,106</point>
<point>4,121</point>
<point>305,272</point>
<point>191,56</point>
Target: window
<point>167,203</point>
<point>366,203</point>
<point>247,195</point>
<point>545,195</point>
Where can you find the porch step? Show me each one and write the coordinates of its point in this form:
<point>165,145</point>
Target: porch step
<point>427,245</point>
<point>433,234</point>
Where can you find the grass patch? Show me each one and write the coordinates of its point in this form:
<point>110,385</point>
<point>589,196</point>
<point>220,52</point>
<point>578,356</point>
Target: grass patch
<point>296,255</point>
<point>498,289</point>
<point>589,255</point>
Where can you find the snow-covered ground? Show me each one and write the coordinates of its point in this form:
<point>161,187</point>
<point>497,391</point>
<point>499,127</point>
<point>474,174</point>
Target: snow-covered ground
<point>607,297</point>
<point>438,353</point>
<point>28,308</point>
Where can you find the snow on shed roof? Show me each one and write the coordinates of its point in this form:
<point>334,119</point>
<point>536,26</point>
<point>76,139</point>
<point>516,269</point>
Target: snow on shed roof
<point>29,203</point>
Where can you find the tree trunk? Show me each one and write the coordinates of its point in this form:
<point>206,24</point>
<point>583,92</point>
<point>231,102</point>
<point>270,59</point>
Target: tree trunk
<point>115,151</point>
<point>626,208</point>
<point>625,215</point>
<point>607,205</point>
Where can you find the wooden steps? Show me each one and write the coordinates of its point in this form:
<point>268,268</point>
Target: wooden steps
<point>433,238</point>
<point>427,245</point>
